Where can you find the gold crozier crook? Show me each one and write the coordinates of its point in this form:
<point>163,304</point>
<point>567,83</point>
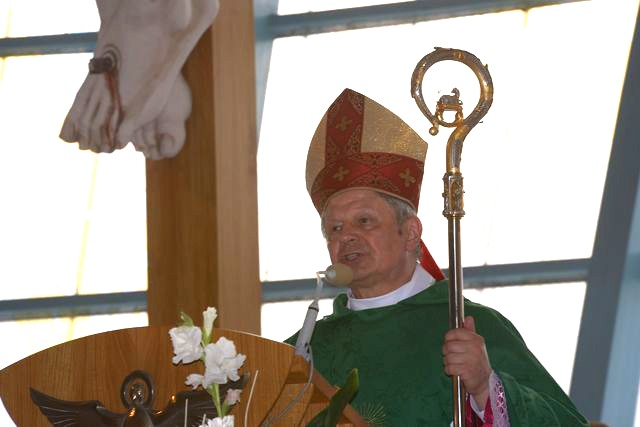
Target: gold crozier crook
<point>453,189</point>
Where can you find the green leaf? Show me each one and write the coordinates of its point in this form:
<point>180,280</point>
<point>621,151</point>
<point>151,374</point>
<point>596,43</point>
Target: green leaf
<point>185,319</point>
<point>330,416</point>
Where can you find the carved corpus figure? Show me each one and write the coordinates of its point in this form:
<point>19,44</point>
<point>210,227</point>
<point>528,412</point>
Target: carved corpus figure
<point>134,91</point>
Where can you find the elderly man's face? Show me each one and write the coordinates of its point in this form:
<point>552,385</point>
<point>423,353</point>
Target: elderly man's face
<point>362,232</point>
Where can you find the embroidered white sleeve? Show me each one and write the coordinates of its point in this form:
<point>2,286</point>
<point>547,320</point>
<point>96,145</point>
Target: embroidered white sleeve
<point>498,402</point>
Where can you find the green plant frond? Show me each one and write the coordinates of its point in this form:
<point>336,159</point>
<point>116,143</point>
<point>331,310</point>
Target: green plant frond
<point>185,319</point>
<point>330,416</point>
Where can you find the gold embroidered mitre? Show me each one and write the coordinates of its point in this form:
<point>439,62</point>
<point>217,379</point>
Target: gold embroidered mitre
<point>361,144</point>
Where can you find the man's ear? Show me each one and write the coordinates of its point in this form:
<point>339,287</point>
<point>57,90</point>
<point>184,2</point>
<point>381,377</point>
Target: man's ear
<point>413,232</point>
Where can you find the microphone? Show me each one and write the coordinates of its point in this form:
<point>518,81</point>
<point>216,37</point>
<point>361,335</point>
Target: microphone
<point>336,274</point>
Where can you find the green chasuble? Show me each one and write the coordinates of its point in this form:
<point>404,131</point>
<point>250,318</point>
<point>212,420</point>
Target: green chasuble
<point>398,353</point>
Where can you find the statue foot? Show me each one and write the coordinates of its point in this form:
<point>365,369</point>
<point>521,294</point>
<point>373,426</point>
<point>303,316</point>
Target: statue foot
<point>165,136</point>
<point>148,43</point>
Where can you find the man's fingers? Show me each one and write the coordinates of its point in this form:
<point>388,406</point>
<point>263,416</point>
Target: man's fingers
<point>457,347</point>
<point>469,324</point>
<point>460,334</point>
<point>458,367</point>
<point>458,359</point>
<point>461,355</point>
<point>464,355</point>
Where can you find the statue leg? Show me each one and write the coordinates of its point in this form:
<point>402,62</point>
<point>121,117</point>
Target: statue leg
<point>149,41</point>
<point>87,119</point>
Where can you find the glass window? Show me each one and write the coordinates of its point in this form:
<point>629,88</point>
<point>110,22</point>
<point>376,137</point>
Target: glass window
<point>286,7</point>
<point>273,323</point>
<point>547,317</point>
<point>74,221</point>
<point>5,419</point>
<point>534,169</point>
<point>37,335</point>
<point>637,422</point>
<point>22,18</point>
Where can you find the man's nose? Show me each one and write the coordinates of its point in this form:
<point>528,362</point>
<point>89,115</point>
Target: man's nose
<point>348,234</point>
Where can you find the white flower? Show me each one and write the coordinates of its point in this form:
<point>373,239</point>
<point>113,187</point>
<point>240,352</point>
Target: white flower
<point>233,396</point>
<point>209,316</point>
<point>194,380</point>
<point>227,421</point>
<point>186,343</point>
<point>221,362</point>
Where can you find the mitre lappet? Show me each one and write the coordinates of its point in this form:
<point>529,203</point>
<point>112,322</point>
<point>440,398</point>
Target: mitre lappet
<point>359,144</point>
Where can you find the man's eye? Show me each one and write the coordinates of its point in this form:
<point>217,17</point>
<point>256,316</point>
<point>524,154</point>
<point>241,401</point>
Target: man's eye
<point>336,228</point>
<point>364,220</point>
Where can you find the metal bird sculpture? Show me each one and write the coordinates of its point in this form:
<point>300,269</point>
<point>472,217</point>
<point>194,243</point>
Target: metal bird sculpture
<point>137,393</point>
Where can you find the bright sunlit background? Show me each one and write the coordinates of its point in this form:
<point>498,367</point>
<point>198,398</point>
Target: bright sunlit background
<point>73,222</point>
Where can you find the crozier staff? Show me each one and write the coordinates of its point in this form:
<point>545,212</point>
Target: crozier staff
<point>364,173</point>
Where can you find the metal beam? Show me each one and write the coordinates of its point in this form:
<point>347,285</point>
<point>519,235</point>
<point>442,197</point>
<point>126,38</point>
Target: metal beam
<point>528,273</point>
<point>533,273</point>
<point>271,25</point>
<point>410,12</point>
<point>48,45</point>
<point>486,276</point>
<point>607,366</point>
<point>262,9</point>
<point>75,305</point>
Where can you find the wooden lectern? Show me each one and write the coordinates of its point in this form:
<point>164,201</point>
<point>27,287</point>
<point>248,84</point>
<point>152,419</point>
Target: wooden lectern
<point>94,367</point>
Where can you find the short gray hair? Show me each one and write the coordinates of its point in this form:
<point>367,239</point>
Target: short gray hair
<point>401,208</point>
<point>403,211</point>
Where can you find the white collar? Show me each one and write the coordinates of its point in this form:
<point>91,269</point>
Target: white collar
<point>420,281</point>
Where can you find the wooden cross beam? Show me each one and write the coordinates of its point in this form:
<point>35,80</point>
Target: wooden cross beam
<point>202,208</point>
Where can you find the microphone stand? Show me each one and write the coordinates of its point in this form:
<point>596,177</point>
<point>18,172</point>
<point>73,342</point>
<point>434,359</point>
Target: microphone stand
<point>453,189</point>
<point>303,343</point>
<point>338,275</point>
<point>303,348</point>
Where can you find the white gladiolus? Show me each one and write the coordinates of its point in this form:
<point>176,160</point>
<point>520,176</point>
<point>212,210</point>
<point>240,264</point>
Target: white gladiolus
<point>194,380</point>
<point>186,343</point>
<point>221,362</point>
<point>227,421</point>
<point>233,396</point>
<point>209,316</point>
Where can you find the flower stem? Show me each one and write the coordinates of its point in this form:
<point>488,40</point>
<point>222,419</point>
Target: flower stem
<point>214,391</point>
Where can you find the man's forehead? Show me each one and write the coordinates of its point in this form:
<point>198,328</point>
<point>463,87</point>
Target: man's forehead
<point>353,199</point>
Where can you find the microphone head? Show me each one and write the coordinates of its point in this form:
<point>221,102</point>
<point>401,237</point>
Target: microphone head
<point>339,274</point>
